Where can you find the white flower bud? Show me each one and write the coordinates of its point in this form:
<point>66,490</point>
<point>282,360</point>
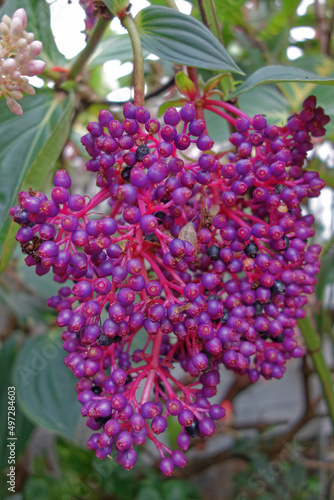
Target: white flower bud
<point>22,15</point>
<point>10,87</point>
<point>23,56</point>
<point>14,106</point>
<point>28,89</point>
<point>29,37</point>
<point>21,43</point>
<point>16,94</point>
<point>7,20</point>
<point>16,27</point>
<point>4,29</point>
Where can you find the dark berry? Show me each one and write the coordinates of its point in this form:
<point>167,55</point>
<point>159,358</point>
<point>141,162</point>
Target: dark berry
<point>258,308</point>
<point>193,429</point>
<point>251,250</point>
<point>96,389</point>
<point>278,288</point>
<point>142,151</point>
<point>213,252</point>
<point>126,173</point>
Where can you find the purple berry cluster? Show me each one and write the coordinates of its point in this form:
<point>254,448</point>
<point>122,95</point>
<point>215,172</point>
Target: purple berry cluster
<point>202,258</point>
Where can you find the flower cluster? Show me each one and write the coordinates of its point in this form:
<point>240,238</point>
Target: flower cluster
<point>17,59</point>
<point>201,262</point>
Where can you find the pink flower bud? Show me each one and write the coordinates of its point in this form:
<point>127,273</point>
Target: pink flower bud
<point>33,68</point>
<point>35,48</point>
<point>9,65</point>
<point>22,15</point>
<point>16,75</point>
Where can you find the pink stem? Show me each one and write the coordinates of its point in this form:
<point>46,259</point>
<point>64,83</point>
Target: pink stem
<point>228,107</point>
<point>226,117</point>
<point>153,365</point>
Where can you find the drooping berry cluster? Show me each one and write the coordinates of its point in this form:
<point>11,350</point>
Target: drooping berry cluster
<point>17,59</point>
<point>203,257</point>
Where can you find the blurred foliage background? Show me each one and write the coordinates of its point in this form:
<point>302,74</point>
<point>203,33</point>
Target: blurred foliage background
<point>276,442</point>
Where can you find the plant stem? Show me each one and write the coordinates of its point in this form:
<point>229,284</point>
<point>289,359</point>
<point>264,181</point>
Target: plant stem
<point>224,115</point>
<point>138,60</point>
<point>50,74</point>
<point>172,4</point>
<point>192,73</point>
<point>313,345</point>
<point>209,16</point>
<point>84,55</point>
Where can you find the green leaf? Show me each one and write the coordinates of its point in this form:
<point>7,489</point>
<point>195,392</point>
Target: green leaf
<point>266,100</point>
<point>184,85</point>
<point>182,39</point>
<point>45,386</point>
<point>210,18</point>
<point>41,286</point>
<point>38,13</point>
<point>275,74</point>
<point>213,82</point>
<point>113,47</point>
<point>326,273</point>
<point>23,427</point>
<point>25,306</point>
<point>177,103</point>
<point>217,128</point>
<point>29,148</point>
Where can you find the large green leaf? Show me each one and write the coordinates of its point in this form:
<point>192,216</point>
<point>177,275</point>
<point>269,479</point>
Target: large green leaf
<point>29,148</point>
<point>182,39</point>
<point>45,386</point>
<point>266,100</point>
<point>24,305</point>
<point>326,273</point>
<point>23,427</point>
<point>113,47</point>
<point>38,12</point>
<point>275,74</point>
